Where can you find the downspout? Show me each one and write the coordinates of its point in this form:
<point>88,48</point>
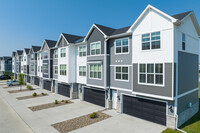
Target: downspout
<point>105,67</point>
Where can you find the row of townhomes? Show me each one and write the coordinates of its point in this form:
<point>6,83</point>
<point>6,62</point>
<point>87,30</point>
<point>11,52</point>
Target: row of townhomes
<point>5,64</point>
<point>147,70</point>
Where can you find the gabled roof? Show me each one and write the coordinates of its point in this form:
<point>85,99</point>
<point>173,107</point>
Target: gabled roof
<point>71,38</point>
<point>120,30</point>
<point>106,30</point>
<point>51,43</point>
<point>35,48</point>
<point>13,54</point>
<point>26,50</point>
<point>180,16</point>
<point>19,52</point>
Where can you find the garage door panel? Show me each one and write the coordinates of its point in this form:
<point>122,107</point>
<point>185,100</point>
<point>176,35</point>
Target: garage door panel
<point>36,81</point>
<point>145,109</point>
<point>94,96</point>
<point>64,90</point>
<point>47,85</point>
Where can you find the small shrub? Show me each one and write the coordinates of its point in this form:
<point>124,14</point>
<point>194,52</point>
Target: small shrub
<point>29,87</point>
<point>63,101</point>
<point>66,101</point>
<point>44,94</point>
<point>56,102</point>
<point>34,94</point>
<point>93,115</point>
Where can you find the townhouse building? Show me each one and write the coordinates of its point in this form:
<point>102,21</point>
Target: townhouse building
<point>148,70</point>
<point>25,63</point>
<point>32,78</point>
<point>5,64</point>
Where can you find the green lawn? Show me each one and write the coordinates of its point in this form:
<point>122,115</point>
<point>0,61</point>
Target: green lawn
<point>191,126</point>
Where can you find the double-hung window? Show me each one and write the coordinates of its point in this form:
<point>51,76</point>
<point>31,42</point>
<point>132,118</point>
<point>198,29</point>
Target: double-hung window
<point>38,68</point>
<point>82,70</point>
<point>56,70</point>
<point>45,55</point>
<point>45,68</point>
<point>24,58</point>
<point>183,41</point>
<point>63,52</point>
<point>121,73</point>
<point>32,67</point>
<point>32,56</point>
<point>151,41</point>
<point>63,69</point>
<point>56,54</point>
<point>82,51</point>
<point>121,46</point>
<point>151,73</point>
<point>95,48</point>
<point>38,56</point>
<point>95,71</point>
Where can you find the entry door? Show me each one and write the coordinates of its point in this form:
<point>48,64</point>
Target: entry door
<point>114,99</point>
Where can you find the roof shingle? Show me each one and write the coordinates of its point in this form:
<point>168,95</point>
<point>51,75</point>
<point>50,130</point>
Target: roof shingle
<point>71,38</point>
<point>36,48</point>
<point>51,43</point>
<point>180,16</point>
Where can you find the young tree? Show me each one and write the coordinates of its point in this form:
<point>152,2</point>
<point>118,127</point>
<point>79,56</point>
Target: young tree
<point>21,80</point>
<point>4,73</point>
<point>11,75</point>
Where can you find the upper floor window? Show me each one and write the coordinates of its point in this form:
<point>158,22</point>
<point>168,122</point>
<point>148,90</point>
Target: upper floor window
<point>38,68</point>
<point>95,48</point>
<point>55,53</point>
<point>24,58</point>
<point>32,56</point>
<point>82,70</point>
<point>151,74</point>
<point>45,54</point>
<point>82,51</point>
<point>121,45</point>
<point>56,70</point>
<point>41,55</point>
<point>41,68</point>
<point>121,73</point>
<point>95,71</point>
<point>183,41</point>
<point>32,67</point>
<point>63,69</point>
<point>63,52</point>
<point>45,68</point>
<point>151,41</point>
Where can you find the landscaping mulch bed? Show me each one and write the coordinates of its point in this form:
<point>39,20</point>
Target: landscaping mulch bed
<point>79,122</point>
<point>17,91</point>
<point>48,105</point>
<point>28,97</point>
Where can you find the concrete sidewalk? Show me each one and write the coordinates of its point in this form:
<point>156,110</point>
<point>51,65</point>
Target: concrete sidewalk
<point>10,122</point>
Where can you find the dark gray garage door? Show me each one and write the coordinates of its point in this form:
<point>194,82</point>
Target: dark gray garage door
<point>36,81</point>
<point>94,96</point>
<point>28,79</point>
<point>145,109</point>
<point>47,85</point>
<point>64,90</point>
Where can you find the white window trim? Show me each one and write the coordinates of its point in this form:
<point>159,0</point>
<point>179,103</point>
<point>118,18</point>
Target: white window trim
<point>121,46</point>
<point>82,71</point>
<point>60,70</point>
<point>95,49</point>
<point>121,73</point>
<point>146,50</point>
<point>79,51</point>
<point>163,85</point>
<point>101,71</point>
<point>61,53</point>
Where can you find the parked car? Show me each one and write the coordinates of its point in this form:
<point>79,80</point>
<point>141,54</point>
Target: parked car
<point>13,82</point>
<point>4,77</point>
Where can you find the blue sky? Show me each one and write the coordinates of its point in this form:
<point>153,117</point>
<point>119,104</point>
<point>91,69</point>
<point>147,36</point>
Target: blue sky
<point>28,22</point>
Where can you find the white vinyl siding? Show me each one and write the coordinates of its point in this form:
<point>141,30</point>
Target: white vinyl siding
<point>95,71</point>
<point>151,41</point>
<point>151,73</point>
<point>95,48</point>
<point>63,69</point>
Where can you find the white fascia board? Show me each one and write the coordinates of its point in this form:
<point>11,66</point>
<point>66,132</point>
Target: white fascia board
<point>91,31</point>
<point>150,7</point>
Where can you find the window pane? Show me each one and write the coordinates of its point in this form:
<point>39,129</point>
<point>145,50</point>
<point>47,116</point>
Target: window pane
<point>150,78</point>
<point>84,53</point>
<point>84,68</point>
<point>97,51</point>
<point>99,68</point>
<point>91,67</point>
<point>125,69</point>
<point>159,68</point>
<point>84,48</point>
<point>91,74</point>
<point>183,45</point>
<point>125,76</point>
<point>80,68</point>
<point>125,42</point>
<point>155,45</point>
<point>146,37</point>
<point>84,73</point>
<point>142,68</point>
<point>159,79</point>
<point>118,50</point>
<point>118,76</point>
<point>146,46</point>
<point>125,49</point>
<point>80,49</point>
<point>143,78</point>
<point>98,46</point>
<point>80,73</point>
<point>93,52</point>
<point>93,46</point>
<point>150,68</point>
<point>95,67</point>
<point>99,75</point>
<point>95,74</point>
<point>183,37</point>
<point>118,69</point>
<point>118,42</point>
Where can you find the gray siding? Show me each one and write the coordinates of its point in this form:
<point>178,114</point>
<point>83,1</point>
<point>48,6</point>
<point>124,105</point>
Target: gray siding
<point>97,82</point>
<point>155,90</point>
<point>183,101</point>
<point>44,74</point>
<point>62,43</point>
<point>55,62</point>
<point>187,72</point>
<point>95,36</point>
